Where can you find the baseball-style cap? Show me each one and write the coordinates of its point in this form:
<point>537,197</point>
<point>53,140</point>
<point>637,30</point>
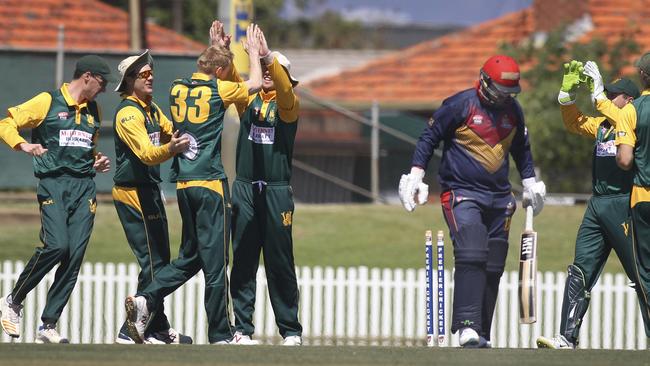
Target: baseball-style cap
<point>284,61</point>
<point>96,65</point>
<point>131,63</point>
<point>625,86</point>
<point>644,63</point>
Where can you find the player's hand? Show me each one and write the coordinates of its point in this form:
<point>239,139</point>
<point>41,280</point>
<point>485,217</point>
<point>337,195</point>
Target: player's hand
<point>218,37</point>
<point>102,163</point>
<point>534,194</point>
<point>411,189</point>
<point>32,149</point>
<point>252,44</point>
<point>265,52</point>
<point>591,70</point>
<point>178,143</point>
<point>570,82</point>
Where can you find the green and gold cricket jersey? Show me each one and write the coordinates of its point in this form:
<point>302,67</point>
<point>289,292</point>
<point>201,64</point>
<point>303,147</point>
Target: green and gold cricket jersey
<point>607,177</point>
<point>642,146</point>
<point>139,128</point>
<point>198,106</point>
<point>265,145</point>
<point>67,129</point>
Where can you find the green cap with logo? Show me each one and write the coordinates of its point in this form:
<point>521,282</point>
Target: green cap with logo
<point>644,63</point>
<point>96,65</point>
<point>623,86</point>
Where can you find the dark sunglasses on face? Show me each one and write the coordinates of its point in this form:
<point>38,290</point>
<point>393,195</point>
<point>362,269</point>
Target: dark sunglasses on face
<point>102,82</point>
<point>145,74</point>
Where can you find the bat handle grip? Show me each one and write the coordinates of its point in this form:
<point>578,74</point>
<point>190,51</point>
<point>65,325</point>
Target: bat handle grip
<point>529,218</point>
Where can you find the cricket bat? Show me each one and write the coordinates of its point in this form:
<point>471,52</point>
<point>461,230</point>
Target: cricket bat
<point>528,272</point>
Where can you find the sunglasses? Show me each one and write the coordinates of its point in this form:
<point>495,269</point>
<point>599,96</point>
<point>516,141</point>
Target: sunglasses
<point>102,82</point>
<point>145,74</point>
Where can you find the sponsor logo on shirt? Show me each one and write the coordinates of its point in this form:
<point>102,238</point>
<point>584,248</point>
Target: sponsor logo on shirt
<point>607,148</point>
<point>155,138</point>
<point>478,120</point>
<point>192,151</point>
<point>75,138</point>
<point>127,119</point>
<point>621,133</point>
<point>262,135</point>
<point>431,122</point>
<point>505,122</point>
<point>63,115</point>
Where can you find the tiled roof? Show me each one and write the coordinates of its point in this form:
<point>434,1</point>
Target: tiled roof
<point>423,75</point>
<point>89,25</point>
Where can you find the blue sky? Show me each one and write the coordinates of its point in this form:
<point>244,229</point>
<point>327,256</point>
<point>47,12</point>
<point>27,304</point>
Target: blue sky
<point>432,12</point>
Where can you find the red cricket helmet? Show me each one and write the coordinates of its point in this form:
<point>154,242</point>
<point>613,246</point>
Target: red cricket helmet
<point>499,79</point>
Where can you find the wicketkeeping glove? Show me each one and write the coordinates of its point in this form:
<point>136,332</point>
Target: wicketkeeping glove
<point>534,194</point>
<point>570,82</point>
<point>411,187</point>
<point>598,92</point>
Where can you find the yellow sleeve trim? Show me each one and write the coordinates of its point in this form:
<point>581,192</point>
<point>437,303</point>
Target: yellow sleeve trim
<point>27,115</point>
<point>288,105</point>
<point>578,123</point>
<point>129,125</point>
<point>232,93</point>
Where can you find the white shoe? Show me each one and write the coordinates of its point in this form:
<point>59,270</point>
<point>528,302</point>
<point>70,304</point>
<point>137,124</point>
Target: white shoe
<point>244,340</point>
<point>468,338</point>
<point>168,336</point>
<point>10,316</point>
<point>224,342</point>
<point>292,341</point>
<point>123,338</point>
<point>47,334</point>
<point>557,342</point>
<point>137,317</point>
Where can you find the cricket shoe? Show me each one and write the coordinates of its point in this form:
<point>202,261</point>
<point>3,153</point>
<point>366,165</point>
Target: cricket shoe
<point>223,342</point>
<point>482,343</point>
<point>292,341</point>
<point>243,340</point>
<point>123,338</point>
<point>468,338</point>
<point>47,334</point>
<point>557,342</point>
<point>168,336</point>
<point>10,316</point>
<point>137,317</point>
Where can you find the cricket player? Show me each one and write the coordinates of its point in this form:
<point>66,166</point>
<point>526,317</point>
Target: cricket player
<point>198,105</point>
<point>263,203</point>
<point>480,127</point>
<point>633,150</point>
<point>605,225</point>
<point>143,140</point>
<point>65,127</point>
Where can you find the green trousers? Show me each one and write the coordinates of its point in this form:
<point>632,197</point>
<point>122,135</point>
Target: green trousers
<point>142,213</point>
<point>262,221</point>
<point>205,211</point>
<point>605,226</point>
<point>641,245</point>
<point>67,206</point>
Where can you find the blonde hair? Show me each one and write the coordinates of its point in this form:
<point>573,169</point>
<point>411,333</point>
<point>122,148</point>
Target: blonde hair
<point>212,58</point>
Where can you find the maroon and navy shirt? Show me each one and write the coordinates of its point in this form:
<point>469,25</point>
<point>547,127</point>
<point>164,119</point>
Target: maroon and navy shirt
<point>477,141</point>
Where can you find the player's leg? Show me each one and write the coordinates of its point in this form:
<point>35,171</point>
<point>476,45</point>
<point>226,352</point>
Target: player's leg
<point>246,257</point>
<point>641,245</point>
<point>497,220</point>
<point>54,237</point>
<point>469,237</point>
<point>212,207</point>
<point>279,261</point>
<point>82,205</point>
<point>591,253</point>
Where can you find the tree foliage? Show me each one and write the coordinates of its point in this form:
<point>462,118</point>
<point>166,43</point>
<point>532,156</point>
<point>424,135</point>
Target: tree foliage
<point>565,160</point>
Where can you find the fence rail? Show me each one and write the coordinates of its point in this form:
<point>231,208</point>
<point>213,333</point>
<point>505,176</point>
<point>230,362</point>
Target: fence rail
<point>338,306</point>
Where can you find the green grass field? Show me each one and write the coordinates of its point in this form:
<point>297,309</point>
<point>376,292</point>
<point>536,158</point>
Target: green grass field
<point>325,235</point>
<point>99,355</point>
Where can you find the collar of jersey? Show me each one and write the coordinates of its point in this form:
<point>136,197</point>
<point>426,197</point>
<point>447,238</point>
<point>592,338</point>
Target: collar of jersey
<point>68,98</point>
<point>200,76</point>
<point>267,96</point>
<point>646,92</point>
<point>144,104</point>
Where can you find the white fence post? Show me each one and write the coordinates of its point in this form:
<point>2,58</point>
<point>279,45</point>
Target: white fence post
<point>354,306</point>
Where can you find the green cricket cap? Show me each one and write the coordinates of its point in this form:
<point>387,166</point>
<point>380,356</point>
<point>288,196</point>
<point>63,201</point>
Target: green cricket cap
<point>644,63</point>
<point>625,86</point>
<point>96,65</point>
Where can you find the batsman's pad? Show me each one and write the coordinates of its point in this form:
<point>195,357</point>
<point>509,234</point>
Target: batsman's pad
<point>471,244</point>
<point>498,251</point>
<point>575,304</point>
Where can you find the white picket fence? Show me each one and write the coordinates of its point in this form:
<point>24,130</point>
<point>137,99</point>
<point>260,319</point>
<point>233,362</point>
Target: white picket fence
<point>338,306</point>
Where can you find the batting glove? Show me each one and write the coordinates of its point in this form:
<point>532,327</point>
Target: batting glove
<point>534,194</point>
<point>591,70</point>
<point>570,82</point>
<point>412,188</point>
